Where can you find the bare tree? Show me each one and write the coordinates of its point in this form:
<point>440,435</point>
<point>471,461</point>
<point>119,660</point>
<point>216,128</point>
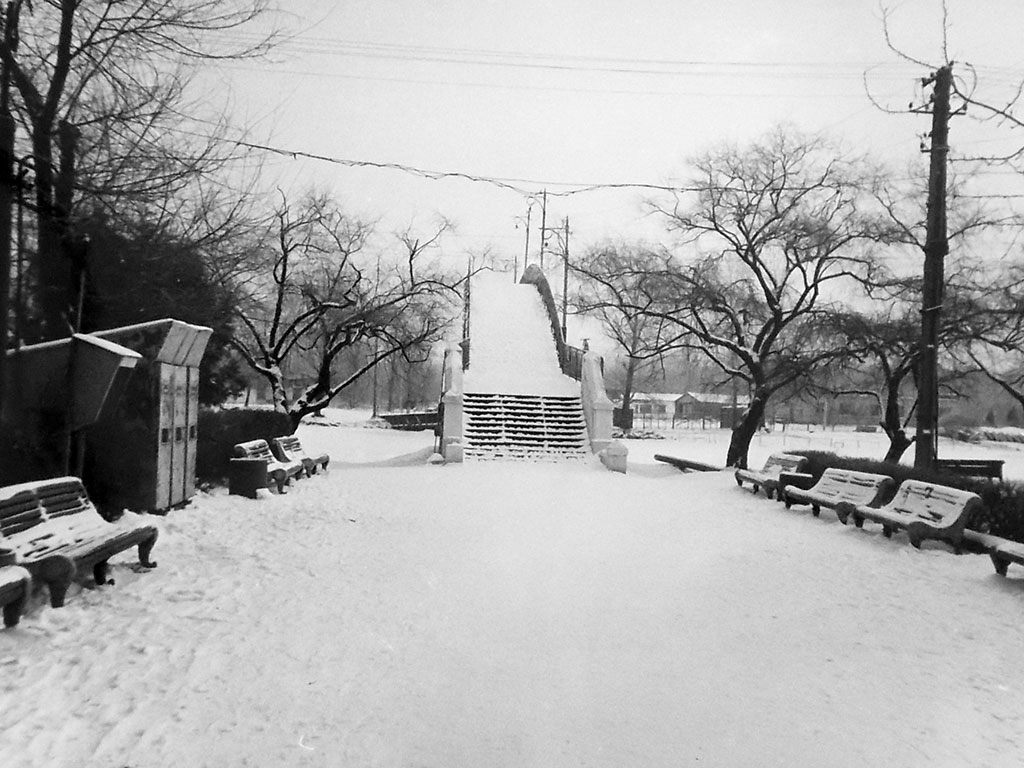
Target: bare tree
<point>775,232</point>
<point>611,290</point>
<point>321,299</point>
<point>117,70</point>
<point>996,347</point>
<point>887,339</point>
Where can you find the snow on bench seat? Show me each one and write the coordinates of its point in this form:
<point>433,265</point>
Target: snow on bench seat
<point>56,532</point>
<point>768,476</point>
<point>925,511</point>
<point>842,490</point>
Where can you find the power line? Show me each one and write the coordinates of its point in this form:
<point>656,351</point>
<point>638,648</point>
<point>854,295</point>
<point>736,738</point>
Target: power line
<point>522,186</point>
<point>831,96</point>
<point>509,183</point>
<point>328,46</point>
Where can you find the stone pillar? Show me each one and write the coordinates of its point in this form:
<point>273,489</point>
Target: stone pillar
<point>597,408</point>
<point>451,400</point>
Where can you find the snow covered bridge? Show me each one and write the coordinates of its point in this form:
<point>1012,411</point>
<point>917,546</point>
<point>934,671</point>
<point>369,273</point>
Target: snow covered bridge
<point>515,398</point>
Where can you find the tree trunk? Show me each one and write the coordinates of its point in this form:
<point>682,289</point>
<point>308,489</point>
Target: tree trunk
<point>892,424</point>
<point>53,271</point>
<point>743,433</point>
<point>278,391</point>
<point>627,395</point>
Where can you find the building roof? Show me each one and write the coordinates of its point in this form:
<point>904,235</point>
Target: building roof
<point>655,397</point>
<point>709,398</point>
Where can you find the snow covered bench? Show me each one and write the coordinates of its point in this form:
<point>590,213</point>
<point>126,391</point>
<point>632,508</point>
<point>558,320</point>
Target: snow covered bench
<point>288,449</point>
<point>56,532</point>
<point>924,510</point>
<point>1001,551</point>
<point>842,490</point>
<point>768,476</point>
<point>686,465</point>
<point>279,472</point>
<point>990,468</point>
<point>14,585</point>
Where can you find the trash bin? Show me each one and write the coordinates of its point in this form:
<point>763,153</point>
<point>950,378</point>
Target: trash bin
<point>246,477</point>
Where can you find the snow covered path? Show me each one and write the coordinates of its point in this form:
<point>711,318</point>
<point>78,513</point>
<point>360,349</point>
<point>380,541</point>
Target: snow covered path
<point>519,615</point>
<point>512,350</point>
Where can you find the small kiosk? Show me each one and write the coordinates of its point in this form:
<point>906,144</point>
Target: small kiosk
<point>52,391</point>
<point>141,454</point>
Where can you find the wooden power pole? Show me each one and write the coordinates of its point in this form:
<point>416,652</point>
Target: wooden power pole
<point>565,281</point>
<point>935,249</point>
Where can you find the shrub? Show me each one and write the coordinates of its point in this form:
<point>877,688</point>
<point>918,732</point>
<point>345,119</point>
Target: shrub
<point>220,429</point>
<point>1003,513</point>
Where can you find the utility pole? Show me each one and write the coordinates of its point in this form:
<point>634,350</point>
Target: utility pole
<point>376,348</point>
<point>935,249</point>
<point>565,279</point>
<point>543,225</point>
<point>526,251</point>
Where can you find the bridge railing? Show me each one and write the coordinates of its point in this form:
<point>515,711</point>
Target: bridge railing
<point>570,358</point>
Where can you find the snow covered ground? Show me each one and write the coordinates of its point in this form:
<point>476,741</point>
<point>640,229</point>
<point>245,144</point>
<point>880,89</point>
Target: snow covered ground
<point>392,613</point>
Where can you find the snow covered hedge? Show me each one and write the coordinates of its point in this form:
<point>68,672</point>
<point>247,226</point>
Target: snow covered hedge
<point>221,428</point>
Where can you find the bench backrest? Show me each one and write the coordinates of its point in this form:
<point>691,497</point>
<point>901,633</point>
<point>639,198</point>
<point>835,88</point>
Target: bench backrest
<point>19,511</point>
<point>26,505</point>
<point>254,449</point>
<point>290,445</point>
<point>934,504</point>
<point>64,497</point>
<point>972,467</point>
<point>784,462</point>
<point>853,486</point>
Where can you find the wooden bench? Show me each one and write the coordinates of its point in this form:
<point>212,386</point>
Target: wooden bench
<point>279,473</point>
<point>1001,551</point>
<point>686,464</point>
<point>288,449</point>
<point>841,490</point>
<point>925,511</point>
<point>15,582</point>
<point>412,422</point>
<point>768,476</point>
<point>990,468</point>
<point>56,533</point>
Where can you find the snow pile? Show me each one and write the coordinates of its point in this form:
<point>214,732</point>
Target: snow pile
<point>512,350</point>
<point>390,613</point>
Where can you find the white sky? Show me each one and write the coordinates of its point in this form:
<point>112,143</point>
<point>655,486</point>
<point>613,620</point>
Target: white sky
<point>591,92</point>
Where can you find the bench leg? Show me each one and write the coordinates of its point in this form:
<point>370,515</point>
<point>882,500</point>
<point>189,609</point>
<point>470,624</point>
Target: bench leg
<point>145,548</point>
<point>99,573</point>
<point>1000,565</point>
<point>12,611</point>
<point>815,510</point>
<point>858,520</point>
<point>57,573</point>
<point>887,532</point>
<point>279,479</point>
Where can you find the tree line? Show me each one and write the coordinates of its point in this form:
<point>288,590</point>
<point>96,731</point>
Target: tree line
<point>785,264</point>
<point>794,266</point>
<point>126,201</point>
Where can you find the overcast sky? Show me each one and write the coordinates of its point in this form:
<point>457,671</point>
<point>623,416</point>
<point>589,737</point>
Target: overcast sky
<point>569,93</point>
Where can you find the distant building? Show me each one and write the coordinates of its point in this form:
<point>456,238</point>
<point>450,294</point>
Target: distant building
<point>692,406</point>
<point>654,404</point>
